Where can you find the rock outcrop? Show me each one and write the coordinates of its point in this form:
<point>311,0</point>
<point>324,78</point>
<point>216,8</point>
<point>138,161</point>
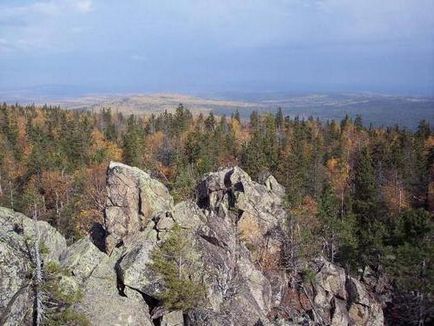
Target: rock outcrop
<point>133,198</point>
<point>16,296</point>
<point>234,222</point>
<point>341,299</point>
<point>103,302</point>
<point>258,208</point>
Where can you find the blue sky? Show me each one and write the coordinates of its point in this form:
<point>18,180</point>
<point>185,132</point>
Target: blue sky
<point>205,46</point>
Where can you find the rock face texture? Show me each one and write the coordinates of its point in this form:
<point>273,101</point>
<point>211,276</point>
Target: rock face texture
<point>234,223</point>
<point>133,199</point>
<point>16,263</point>
<point>103,303</point>
<point>15,272</point>
<point>258,207</point>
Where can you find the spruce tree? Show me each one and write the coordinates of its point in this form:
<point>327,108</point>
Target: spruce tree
<point>134,143</point>
<point>367,207</point>
<point>177,262</point>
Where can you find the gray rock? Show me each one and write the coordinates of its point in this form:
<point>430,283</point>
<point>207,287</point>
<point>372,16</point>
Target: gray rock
<point>331,279</point>
<point>364,309</point>
<point>104,302</point>
<point>341,299</point>
<point>17,237</point>
<point>256,282</point>
<point>133,199</point>
<point>134,272</point>
<point>340,315</point>
<point>272,184</point>
<point>174,318</point>
<point>82,258</point>
<point>16,271</point>
<point>189,216</point>
<point>233,217</point>
<point>257,209</point>
<point>207,317</point>
<point>52,242</point>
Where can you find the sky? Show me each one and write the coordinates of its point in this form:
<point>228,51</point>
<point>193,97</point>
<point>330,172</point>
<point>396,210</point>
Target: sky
<point>206,46</point>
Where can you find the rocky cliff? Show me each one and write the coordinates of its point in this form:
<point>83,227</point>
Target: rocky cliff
<point>236,226</point>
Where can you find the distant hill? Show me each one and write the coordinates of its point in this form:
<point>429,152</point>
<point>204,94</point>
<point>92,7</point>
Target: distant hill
<point>378,109</point>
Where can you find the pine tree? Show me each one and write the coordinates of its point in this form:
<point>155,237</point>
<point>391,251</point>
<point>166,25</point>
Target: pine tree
<point>279,118</point>
<point>237,116</point>
<point>328,213</point>
<point>210,122</point>
<point>134,142</point>
<point>368,209</point>
<point>365,187</point>
<point>177,262</point>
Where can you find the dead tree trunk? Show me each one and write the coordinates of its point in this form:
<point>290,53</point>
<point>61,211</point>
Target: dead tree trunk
<point>38,273</point>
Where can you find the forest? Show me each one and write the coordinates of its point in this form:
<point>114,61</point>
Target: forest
<point>361,196</point>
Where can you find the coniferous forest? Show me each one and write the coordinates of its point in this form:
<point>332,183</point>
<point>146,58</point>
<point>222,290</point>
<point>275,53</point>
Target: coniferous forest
<point>361,196</point>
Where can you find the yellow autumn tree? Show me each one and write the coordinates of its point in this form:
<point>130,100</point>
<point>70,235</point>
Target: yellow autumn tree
<point>338,173</point>
<point>103,149</point>
<point>394,194</point>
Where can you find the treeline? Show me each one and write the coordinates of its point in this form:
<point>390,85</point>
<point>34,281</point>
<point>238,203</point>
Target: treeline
<point>362,196</point>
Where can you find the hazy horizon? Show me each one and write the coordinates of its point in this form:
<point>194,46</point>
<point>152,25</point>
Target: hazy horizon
<point>93,46</point>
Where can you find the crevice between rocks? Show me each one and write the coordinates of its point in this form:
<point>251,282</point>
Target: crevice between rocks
<point>154,305</point>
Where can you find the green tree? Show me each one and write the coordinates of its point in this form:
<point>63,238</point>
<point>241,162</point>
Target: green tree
<point>279,118</point>
<point>134,142</point>
<point>210,122</point>
<point>368,209</point>
<point>337,230</point>
<point>409,262</point>
<point>178,263</point>
<point>328,214</point>
<point>366,196</point>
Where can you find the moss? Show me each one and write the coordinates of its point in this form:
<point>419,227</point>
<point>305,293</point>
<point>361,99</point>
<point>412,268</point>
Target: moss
<point>308,275</point>
<point>64,292</point>
<point>43,248</point>
<point>68,317</point>
<point>64,289</point>
<point>250,246</point>
<point>53,267</point>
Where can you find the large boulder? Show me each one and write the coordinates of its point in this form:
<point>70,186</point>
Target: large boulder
<point>257,207</point>
<point>133,198</point>
<point>134,272</point>
<point>82,258</point>
<point>104,301</point>
<point>174,318</point>
<point>52,243</point>
<point>16,273</point>
<point>236,286</point>
<point>364,308</point>
<point>17,240</point>
<point>340,299</point>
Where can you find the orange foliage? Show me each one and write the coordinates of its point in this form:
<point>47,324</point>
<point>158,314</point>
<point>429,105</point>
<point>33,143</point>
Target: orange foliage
<point>395,195</point>
<point>306,213</point>
<point>56,186</point>
<point>113,151</point>
<point>338,173</point>
<point>39,120</point>
<point>241,134</point>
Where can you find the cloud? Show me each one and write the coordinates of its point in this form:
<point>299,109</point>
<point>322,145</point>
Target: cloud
<point>4,46</point>
<point>84,6</point>
<point>276,36</point>
<point>139,57</point>
<point>42,25</point>
<point>44,8</point>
